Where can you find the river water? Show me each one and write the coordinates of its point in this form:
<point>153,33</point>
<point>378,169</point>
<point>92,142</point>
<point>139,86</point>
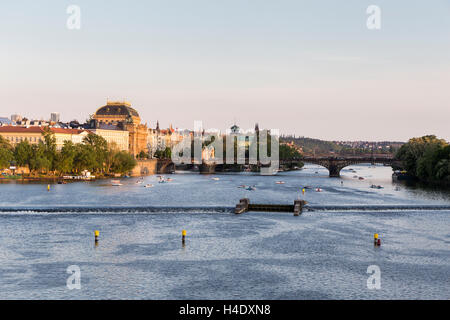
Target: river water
<point>323,254</point>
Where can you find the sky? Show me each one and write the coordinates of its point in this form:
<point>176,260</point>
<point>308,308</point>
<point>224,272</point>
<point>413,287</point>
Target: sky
<point>310,68</point>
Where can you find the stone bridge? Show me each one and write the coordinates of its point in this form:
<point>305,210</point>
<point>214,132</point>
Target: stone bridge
<point>336,164</point>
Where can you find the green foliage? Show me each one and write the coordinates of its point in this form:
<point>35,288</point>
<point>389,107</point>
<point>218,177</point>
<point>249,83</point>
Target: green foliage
<point>99,146</point>
<point>123,162</point>
<point>23,152</point>
<point>94,154</point>
<point>6,156</point>
<point>4,144</point>
<point>164,154</point>
<point>39,160</point>
<point>289,153</point>
<point>66,158</point>
<point>427,158</point>
<point>143,155</point>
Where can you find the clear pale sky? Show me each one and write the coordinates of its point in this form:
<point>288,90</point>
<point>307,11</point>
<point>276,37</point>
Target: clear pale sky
<point>306,67</point>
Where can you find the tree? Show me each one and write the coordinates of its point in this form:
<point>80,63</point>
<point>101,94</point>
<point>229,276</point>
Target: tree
<point>100,148</point>
<point>49,148</point>
<point>85,158</point>
<point>23,152</point>
<point>39,160</point>
<point>5,143</point>
<point>123,162</point>
<point>143,155</point>
<point>426,158</point>
<point>66,157</point>
<point>6,156</point>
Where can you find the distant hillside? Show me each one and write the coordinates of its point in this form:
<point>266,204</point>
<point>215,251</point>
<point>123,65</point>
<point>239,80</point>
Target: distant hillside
<point>310,146</point>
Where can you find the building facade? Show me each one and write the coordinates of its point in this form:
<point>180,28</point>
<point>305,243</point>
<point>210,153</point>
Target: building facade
<point>120,138</point>
<point>34,135</point>
<point>160,139</point>
<point>122,116</point>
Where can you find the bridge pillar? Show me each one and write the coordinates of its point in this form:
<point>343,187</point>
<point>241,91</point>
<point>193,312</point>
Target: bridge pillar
<point>207,168</point>
<point>335,171</point>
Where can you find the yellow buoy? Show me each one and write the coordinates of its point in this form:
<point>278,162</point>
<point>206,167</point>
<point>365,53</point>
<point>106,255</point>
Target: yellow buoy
<point>97,233</point>
<point>375,236</point>
<point>48,187</point>
<point>183,237</point>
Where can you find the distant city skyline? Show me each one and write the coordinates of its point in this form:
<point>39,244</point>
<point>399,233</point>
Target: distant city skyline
<point>309,68</point>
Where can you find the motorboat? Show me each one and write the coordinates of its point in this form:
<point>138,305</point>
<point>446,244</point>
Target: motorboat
<point>116,183</point>
<point>215,179</point>
<point>148,186</point>
<point>361,178</point>
<point>376,186</point>
<point>279,182</point>
<point>319,190</point>
<point>251,188</point>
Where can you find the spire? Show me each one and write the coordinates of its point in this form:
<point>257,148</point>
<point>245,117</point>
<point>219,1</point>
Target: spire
<point>157,125</point>
<point>256,127</point>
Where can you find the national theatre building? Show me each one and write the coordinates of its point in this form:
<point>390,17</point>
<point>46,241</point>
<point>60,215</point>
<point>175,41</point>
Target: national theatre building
<point>120,116</point>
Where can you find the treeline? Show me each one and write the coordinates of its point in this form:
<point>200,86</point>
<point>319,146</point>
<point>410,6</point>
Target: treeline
<point>94,155</point>
<point>427,159</point>
<point>323,147</point>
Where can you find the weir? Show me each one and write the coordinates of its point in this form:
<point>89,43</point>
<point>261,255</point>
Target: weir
<point>244,205</point>
<point>217,209</point>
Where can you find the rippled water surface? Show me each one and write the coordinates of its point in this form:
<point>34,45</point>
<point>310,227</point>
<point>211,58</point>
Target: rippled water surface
<point>323,254</point>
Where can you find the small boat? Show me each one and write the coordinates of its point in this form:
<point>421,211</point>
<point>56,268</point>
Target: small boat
<point>169,179</point>
<point>376,187</point>
<point>319,190</point>
<point>242,186</point>
<point>148,186</point>
<point>215,179</point>
<point>62,182</point>
<point>140,181</point>
<point>115,183</point>
<point>307,187</point>
<point>316,172</point>
<point>251,188</point>
<point>355,177</point>
<point>279,182</point>
<point>361,178</point>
